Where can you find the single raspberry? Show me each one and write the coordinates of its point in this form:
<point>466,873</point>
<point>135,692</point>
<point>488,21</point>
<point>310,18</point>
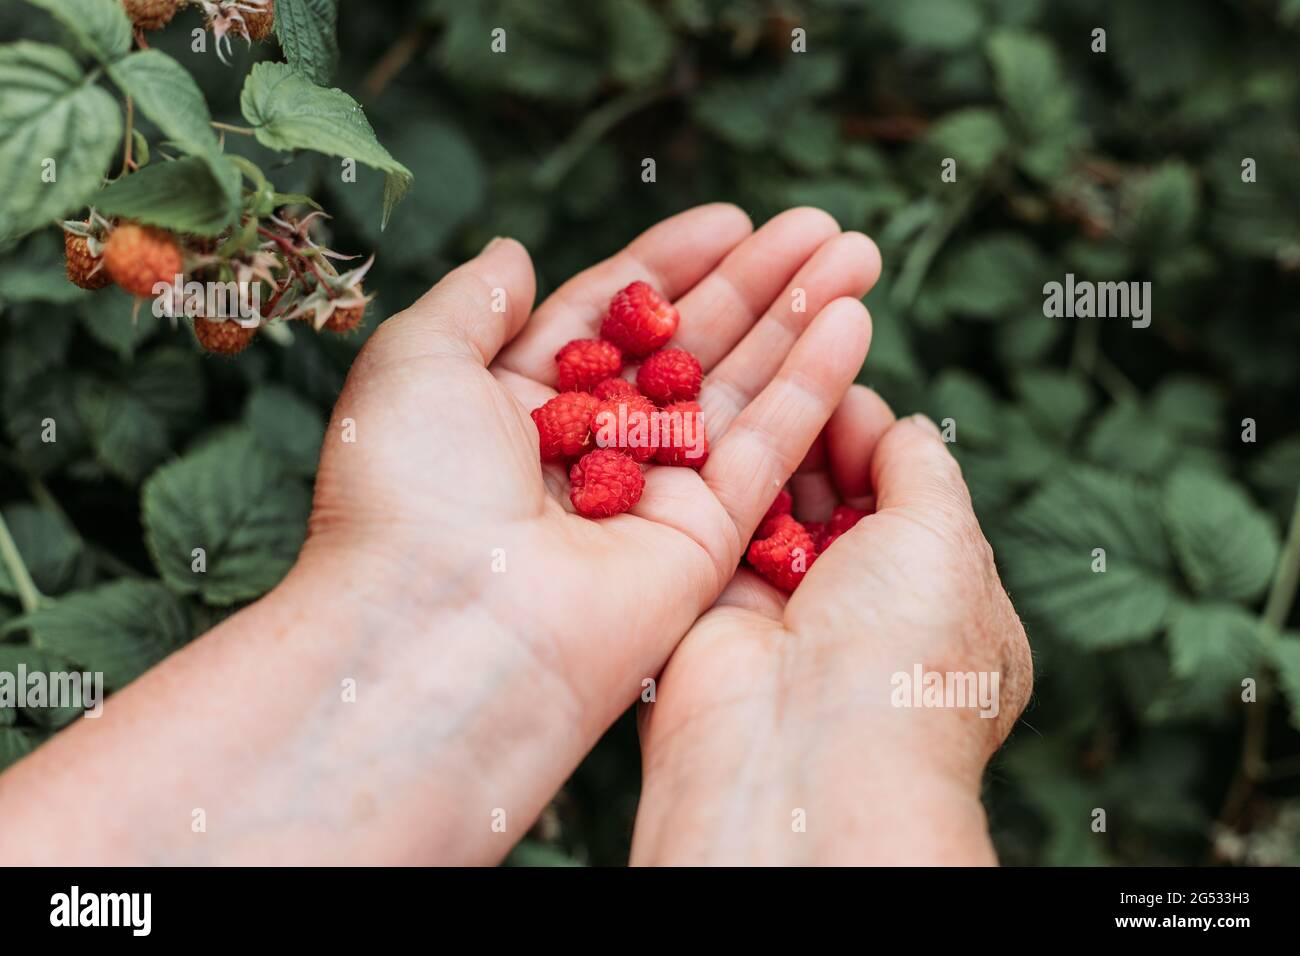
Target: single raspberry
<point>84,268</point>
<point>345,319</point>
<point>628,423</point>
<point>842,519</point>
<point>784,555</point>
<point>682,440</point>
<point>639,320</point>
<point>150,14</point>
<point>585,362</point>
<point>564,425</point>
<point>257,24</point>
<point>223,336</point>
<point>782,504</point>
<point>605,482</point>
<point>614,388</point>
<point>672,375</point>
<point>138,257</point>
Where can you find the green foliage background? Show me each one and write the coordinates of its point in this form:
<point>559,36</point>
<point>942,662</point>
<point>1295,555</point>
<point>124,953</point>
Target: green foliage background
<point>1075,434</point>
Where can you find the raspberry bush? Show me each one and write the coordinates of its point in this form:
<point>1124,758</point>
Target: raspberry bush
<point>1175,447</point>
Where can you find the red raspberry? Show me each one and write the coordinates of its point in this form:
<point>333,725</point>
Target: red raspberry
<point>605,482</point>
<point>614,388</point>
<point>84,268</point>
<point>784,554</point>
<point>627,423</point>
<point>782,504</point>
<point>564,425</point>
<point>682,443</point>
<point>843,518</point>
<point>138,257</point>
<point>672,375</point>
<point>639,320</point>
<point>223,336</point>
<point>585,362</point>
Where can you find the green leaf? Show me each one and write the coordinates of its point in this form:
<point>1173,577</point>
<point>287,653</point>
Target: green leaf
<point>991,275</point>
<point>48,547</point>
<point>44,406</point>
<point>1056,401</point>
<point>30,282</point>
<point>169,380</point>
<point>1226,546</point>
<point>530,853</point>
<point>121,629</point>
<point>1286,658</point>
<point>308,35</point>
<point>936,24</point>
<point>1213,641</point>
<point>1048,555</point>
<point>194,194</point>
<point>640,43</point>
<point>287,427</point>
<point>1030,81</point>
<point>1140,41</point>
<point>127,437</point>
<point>100,27</point>
<point>106,317</point>
<point>971,405</point>
<point>975,137</point>
<point>16,743</point>
<point>1127,438</point>
<point>12,656</point>
<point>230,499</point>
<point>164,91</point>
<point>288,112</point>
<point>58,135</point>
<point>1162,208</point>
<point>1193,408</point>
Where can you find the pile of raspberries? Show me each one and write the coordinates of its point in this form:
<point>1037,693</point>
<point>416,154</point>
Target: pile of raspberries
<point>591,424</point>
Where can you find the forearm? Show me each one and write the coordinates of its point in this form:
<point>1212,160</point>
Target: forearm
<point>319,725</point>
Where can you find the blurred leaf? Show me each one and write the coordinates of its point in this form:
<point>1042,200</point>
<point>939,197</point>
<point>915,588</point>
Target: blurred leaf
<point>288,428</point>
<point>1057,401</point>
<point>1286,658</point>
<point>935,24</point>
<point>1226,546</point>
<point>48,548</point>
<point>975,137</point>
<point>640,44</point>
<point>991,275</point>
<point>1040,100</point>
<point>1164,206</point>
<point>127,437</point>
<point>230,499</point>
<point>971,405</point>
<point>1213,640</point>
<point>1048,555</point>
<point>1128,439</point>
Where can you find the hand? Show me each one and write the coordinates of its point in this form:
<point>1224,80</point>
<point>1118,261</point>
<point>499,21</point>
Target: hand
<point>775,736</point>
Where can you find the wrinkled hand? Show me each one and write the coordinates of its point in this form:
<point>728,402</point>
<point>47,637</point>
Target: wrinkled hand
<point>440,515</point>
<point>776,736</point>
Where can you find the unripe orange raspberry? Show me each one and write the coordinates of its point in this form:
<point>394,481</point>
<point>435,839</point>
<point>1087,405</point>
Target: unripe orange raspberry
<point>150,14</point>
<point>258,25</point>
<point>84,268</point>
<point>223,336</point>
<point>138,257</point>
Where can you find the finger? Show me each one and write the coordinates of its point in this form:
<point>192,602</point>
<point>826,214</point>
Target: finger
<point>748,592</point>
<point>724,305</point>
<point>911,467</point>
<point>672,256</point>
<point>852,435</point>
<point>478,306</point>
<point>757,455</point>
<point>847,265</point>
<point>814,492</point>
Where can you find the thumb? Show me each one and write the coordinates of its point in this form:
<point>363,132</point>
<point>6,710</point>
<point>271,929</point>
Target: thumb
<point>912,467</point>
<point>479,306</point>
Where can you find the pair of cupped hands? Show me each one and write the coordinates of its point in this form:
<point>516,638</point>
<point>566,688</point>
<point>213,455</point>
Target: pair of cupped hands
<point>491,635</point>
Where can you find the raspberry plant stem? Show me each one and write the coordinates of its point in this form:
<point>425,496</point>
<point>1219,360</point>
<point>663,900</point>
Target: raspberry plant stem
<point>28,594</point>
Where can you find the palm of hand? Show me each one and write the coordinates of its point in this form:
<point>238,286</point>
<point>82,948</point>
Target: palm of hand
<point>443,481</point>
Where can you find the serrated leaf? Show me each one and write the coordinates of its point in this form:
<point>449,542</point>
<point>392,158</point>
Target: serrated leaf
<point>1127,438</point>
<point>970,403</point>
<point>992,275</point>
<point>121,629</point>
<point>58,135</point>
<point>308,35</point>
<point>1047,551</point>
<point>1216,641</point>
<point>49,549</point>
<point>288,112</point>
<point>127,437</point>
<point>1226,546</point>
<point>230,499</point>
<point>1056,401</point>
<point>100,27</point>
<point>287,427</point>
<point>198,194</point>
<point>165,92</point>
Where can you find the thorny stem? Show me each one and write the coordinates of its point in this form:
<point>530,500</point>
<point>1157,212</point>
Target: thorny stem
<point>1281,595</point>
<point>28,594</point>
<point>295,254</point>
